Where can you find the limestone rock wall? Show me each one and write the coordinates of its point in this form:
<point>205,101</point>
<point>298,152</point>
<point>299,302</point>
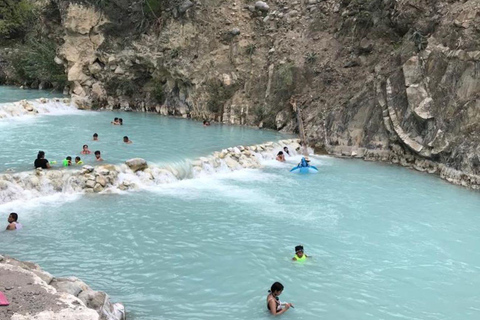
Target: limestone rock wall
<point>396,77</point>
<point>35,294</point>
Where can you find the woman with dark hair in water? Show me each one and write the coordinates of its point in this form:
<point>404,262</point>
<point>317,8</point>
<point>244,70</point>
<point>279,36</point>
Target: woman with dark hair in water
<point>41,162</point>
<point>274,305</point>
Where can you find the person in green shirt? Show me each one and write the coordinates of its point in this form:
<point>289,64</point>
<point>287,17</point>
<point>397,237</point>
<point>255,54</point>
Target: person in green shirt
<point>67,161</point>
<point>299,255</point>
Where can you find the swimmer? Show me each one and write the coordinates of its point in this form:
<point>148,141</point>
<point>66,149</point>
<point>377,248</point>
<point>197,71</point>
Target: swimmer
<point>67,161</point>
<point>285,149</point>
<point>280,156</point>
<point>126,140</point>
<point>78,161</point>
<point>41,162</point>
<point>206,123</point>
<point>98,156</point>
<point>299,255</point>
<point>305,162</point>
<point>274,305</point>
<point>115,121</point>
<point>85,150</point>
<point>120,121</point>
<point>12,222</point>
<point>95,137</point>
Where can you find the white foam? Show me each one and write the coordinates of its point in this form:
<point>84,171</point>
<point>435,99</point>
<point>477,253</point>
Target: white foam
<point>213,175</point>
<point>33,201</point>
<point>21,110</point>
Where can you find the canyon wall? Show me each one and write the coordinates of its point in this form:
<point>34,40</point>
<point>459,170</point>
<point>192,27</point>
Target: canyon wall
<point>387,80</point>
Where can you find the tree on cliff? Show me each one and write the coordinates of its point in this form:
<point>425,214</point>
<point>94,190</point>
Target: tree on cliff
<point>14,17</point>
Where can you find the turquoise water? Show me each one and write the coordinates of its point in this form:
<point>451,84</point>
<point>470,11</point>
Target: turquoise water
<point>155,138</point>
<point>386,242</point>
<point>13,94</point>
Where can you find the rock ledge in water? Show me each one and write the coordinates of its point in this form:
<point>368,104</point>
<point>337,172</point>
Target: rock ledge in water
<point>137,164</point>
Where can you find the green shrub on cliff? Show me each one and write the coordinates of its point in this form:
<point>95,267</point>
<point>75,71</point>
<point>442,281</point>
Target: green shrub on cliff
<point>35,62</point>
<point>15,17</point>
<point>218,94</point>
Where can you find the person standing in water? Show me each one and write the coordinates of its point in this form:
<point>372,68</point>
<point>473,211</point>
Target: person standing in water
<point>98,156</point>
<point>85,149</point>
<point>13,224</point>
<point>126,140</point>
<point>95,137</point>
<point>274,305</point>
<point>78,161</point>
<point>299,255</point>
<point>120,121</point>
<point>41,162</point>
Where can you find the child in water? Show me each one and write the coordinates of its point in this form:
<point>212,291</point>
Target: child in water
<point>78,161</point>
<point>299,255</point>
<point>67,161</point>
<point>95,137</point>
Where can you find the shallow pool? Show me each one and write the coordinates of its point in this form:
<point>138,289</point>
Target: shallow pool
<point>155,138</point>
<point>12,94</point>
<point>386,243</point>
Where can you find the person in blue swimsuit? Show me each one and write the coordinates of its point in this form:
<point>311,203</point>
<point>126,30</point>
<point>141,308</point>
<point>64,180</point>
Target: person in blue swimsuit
<point>274,305</point>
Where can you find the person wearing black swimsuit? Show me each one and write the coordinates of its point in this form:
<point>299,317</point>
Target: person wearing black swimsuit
<point>274,305</point>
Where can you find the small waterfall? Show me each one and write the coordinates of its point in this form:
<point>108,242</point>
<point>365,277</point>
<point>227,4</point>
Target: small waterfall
<point>57,106</point>
<point>25,186</point>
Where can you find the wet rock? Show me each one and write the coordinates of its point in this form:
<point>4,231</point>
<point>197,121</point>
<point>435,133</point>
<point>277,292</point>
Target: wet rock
<point>90,184</point>
<point>137,164</point>
<point>87,169</point>
<point>97,188</point>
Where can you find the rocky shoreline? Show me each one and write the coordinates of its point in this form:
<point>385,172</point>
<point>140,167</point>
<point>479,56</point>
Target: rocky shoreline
<point>35,294</point>
<point>400,156</point>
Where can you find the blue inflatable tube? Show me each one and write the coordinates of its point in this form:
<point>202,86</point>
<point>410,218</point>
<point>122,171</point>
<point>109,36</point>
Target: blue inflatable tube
<point>300,169</point>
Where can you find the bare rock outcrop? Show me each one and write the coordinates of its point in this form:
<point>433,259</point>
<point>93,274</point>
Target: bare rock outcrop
<point>36,295</point>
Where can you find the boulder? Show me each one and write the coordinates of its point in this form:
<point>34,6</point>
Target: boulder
<point>185,6</point>
<point>137,164</point>
<point>261,6</point>
<point>70,285</point>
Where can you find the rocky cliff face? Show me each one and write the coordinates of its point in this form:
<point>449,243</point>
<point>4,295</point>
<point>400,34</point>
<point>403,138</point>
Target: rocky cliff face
<point>392,80</point>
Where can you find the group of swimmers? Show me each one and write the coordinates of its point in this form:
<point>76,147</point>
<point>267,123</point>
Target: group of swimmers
<point>43,163</point>
<point>274,305</point>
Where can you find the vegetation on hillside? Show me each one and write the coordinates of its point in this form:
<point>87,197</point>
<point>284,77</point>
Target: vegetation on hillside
<point>35,63</point>
<point>15,18</point>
